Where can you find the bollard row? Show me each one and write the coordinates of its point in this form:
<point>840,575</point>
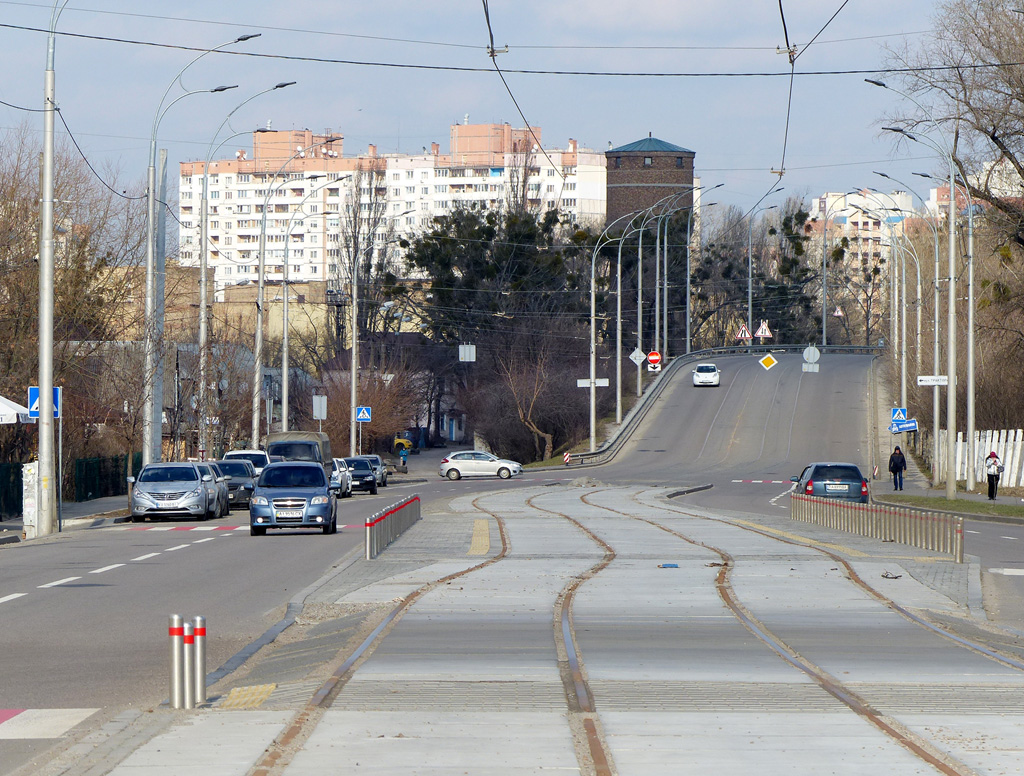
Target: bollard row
<point>387,525</point>
<point>188,661</point>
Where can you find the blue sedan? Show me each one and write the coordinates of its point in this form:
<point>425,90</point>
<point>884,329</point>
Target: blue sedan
<point>293,494</point>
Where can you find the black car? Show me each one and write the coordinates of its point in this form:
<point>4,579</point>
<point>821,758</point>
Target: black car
<point>832,479</point>
<point>363,475</point>
<point>242,482</point>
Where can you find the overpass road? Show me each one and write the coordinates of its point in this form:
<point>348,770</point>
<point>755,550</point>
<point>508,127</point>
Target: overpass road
<point>582,621</point>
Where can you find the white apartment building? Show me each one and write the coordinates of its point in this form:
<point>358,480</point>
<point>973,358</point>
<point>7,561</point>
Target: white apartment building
<point>866,218</point>
<point>300,188</point>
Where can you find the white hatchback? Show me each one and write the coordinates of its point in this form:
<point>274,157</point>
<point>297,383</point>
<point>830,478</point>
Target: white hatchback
<point>707,374</point>
<point>476,463</point>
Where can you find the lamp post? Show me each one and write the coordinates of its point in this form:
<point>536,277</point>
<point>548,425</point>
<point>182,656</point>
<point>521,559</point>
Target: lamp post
<point>285,372</point>
<point>47,507</point>
<point>203,283</point>
<point>951,316</point>
<point>935,333</point>
<point>257,378</point>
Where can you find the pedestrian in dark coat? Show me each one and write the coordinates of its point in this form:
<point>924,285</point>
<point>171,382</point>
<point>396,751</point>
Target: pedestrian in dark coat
<point>897,465</point>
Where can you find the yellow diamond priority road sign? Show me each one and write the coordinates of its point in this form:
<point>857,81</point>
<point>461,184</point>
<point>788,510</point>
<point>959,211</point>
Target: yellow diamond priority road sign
<point>768,361</point>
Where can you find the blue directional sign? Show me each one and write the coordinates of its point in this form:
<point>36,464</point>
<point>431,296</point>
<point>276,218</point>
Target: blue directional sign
<point>903,425</point>
<point>363,414</point>
<point>33,401</point>
<point>899,414</point>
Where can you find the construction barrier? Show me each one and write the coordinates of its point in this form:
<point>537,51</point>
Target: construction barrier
<point>188,662</point>
<point>387,525</point>
<point>919,528</point>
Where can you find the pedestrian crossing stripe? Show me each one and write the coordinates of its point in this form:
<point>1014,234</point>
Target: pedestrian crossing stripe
<point>23,724</point>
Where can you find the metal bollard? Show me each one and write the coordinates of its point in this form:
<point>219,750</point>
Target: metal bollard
<point>176,633</point>
<point>200,638</point>
<point>189,678</point>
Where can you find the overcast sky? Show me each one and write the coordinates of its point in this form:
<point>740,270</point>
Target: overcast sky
<point>342,56</point>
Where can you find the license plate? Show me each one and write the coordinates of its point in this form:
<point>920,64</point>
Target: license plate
<point>831,487</point>
<point>288,513</point>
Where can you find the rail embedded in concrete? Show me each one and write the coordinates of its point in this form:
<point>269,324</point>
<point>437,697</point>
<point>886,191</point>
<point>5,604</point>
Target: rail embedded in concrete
<point>919,528</point>
<point>387,525</point>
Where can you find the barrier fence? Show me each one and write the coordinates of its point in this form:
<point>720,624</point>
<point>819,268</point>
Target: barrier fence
<point>387,525</point>
<point>919,528</point>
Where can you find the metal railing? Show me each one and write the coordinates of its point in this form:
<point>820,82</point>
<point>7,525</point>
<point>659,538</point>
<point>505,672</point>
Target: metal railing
<point>387,525</point>
<point>919,528</point>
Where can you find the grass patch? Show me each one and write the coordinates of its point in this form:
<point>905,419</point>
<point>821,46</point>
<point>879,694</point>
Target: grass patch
<point>1008,504</point>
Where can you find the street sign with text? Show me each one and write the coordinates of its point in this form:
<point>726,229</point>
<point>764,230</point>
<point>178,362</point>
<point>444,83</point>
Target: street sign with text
<point>933,380</point>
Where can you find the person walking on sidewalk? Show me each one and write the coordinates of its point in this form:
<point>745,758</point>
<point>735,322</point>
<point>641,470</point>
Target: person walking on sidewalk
<point>993,468</point>
<point>897,465</point>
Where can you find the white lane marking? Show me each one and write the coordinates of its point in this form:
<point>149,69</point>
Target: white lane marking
<point>106,568</point>
<point>147,557</point>
<point>59,582</point>
<point>43,723</point>
<point>179,547</point>
<point>1008,537</point>
<point>204,528</point>
<point>1008,572</point>
<point>163,528</point>
<point>784,493</point>
<point>973,532</point>
<point>207,539</point>
<point>10,597</point>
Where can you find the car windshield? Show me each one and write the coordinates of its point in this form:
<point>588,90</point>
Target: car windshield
<point>705,368</point>
<point>169,474</point>
<point>234,468</point>
<point>837,473</point>
<point>358,463</point>
<point>292,451</point>
<point>292,477</point>
<point>257,459</point>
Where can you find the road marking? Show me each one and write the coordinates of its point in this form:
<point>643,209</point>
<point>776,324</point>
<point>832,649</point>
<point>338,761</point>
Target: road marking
<point>1007,537</point>
<point>1008,572</point>
<point>972,532</point>
<point>480,544</point>
<point>784,493</point>
<point>20,724</point>
<point>763,482</point>
<point>179,547</point>
<point>59,582</point>
<point>160,528</point>
<point>207,539</point>
<point>10,597</point>
<point>106,568</point>
<point>203,528</point>
<point>146,557</point>
<point>248,697</point>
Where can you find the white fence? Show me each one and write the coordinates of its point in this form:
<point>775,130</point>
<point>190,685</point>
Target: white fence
<point>1008,445</point>
<point>922,528</point>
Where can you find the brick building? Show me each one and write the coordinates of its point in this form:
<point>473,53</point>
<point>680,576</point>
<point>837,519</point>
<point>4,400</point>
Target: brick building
<point>641,173</point>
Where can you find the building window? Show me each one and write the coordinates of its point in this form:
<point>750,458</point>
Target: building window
<point>618,162</point>
<point>679,161</point>
<point>648,161</point>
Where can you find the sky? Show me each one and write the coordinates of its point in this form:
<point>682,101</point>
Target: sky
<point>114,60</point>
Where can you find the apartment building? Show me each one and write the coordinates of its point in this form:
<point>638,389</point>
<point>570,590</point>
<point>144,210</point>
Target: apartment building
<point>866,218</point>
<point>306,199</point>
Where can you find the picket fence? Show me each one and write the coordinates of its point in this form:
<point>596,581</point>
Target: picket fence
<point>1008,445</point>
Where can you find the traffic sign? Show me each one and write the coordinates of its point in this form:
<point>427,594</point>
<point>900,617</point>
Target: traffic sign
<point>33,401</point>
<point>654,357</point>
<point>899,414</point>
<point>763,330</point>
<point>584,382</point>
<point>637,357</point>
<point>363,414</point>
<point>898,427</point>
<point>654,367</point>
<point>809,367</point>
<point>744,332</point>
<point>932,380</point>
<point>811,354</point>
<point>768,361</point>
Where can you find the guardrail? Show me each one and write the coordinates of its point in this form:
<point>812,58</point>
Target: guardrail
<point>610,448</point>
<point>919,528</point>
<point>387,525</point>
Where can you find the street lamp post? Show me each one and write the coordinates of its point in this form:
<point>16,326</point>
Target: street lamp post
<point>951,316</point>
<point>257,378</point>
<point>203,283</point>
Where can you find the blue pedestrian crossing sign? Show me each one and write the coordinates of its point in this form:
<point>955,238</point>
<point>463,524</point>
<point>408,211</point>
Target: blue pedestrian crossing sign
<point>33,401</point>
<point>362,414</point>
<point>899,414</point>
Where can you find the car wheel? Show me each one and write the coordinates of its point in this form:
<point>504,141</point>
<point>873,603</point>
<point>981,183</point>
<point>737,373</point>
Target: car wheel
<point>453,474</point>
<point>256,530</point>
<point>385,482</point>
<point>373,489</point>
<point>504,473</point>
<point>138,518</point>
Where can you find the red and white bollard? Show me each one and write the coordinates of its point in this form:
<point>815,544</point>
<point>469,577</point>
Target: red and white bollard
<point>176,635</point>
<point>200,649</point>
<point>188,662</point>
<point>189,682</point>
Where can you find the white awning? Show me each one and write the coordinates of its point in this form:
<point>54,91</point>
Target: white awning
<point>12,412</point>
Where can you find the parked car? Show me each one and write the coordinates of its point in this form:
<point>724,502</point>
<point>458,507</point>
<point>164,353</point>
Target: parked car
<point>476,463</point>
<point>219,486</point>
<point>379,468</point>
<point>293,494</point>
<point>342,477</point>
<point>363,475</point>
<point>258,458</point>
<point>171,490</point>
<point>241,481</point>
<point>832,480</point>
<point>707,374</point>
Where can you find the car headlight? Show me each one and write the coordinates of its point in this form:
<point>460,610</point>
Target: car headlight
<point>194,493</point>
<point>318,500</point>
<point>259,501</point>
<point>141,494</point>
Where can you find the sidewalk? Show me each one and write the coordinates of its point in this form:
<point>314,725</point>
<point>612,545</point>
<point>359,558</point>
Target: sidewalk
<point>75,515</point>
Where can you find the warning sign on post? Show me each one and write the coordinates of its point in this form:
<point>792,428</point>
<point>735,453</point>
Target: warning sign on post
<point>763,330</point>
